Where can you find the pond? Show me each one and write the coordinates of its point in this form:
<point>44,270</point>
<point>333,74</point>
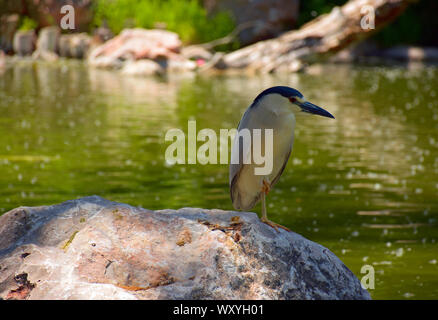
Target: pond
<point>364,185</point>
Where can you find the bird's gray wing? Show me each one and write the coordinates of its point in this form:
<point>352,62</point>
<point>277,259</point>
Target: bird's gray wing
<point>233,192</point>
<point>236,168</point>
<point>277,177</point>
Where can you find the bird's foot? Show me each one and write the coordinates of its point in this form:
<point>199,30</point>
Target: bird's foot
<point>273,224</point>
<point>266,187</point>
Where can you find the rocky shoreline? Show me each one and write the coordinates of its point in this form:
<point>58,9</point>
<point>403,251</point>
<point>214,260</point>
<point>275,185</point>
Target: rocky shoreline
<point>265,30</point>
<point>143,52</point>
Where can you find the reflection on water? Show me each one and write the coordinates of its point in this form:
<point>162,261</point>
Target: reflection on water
<point>364,185</point>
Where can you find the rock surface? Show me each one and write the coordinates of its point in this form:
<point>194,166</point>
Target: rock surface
<point>92,248</point>
<point>24,42</point>
<point>48,38</point>
<point>142,67</point>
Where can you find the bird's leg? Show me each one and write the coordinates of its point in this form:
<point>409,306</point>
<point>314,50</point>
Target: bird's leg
<point>266,187</point>
<point>265,190</point>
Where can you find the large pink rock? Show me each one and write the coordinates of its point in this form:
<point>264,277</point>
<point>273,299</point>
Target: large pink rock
<point>74,45</point>
<point>135,44</point>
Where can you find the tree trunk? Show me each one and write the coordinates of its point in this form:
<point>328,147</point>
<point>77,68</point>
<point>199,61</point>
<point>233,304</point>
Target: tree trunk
<point>321,37</point>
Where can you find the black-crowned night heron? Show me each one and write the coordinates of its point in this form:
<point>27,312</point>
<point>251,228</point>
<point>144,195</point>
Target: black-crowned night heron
<point>275,108</point>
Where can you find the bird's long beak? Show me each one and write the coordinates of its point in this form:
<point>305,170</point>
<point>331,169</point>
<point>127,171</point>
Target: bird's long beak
<point>314,109</point>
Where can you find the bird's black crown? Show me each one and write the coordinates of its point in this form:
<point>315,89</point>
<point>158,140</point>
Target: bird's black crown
<point>282,90</point>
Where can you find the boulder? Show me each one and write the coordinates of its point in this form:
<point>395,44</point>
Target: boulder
<point>92,248</point>
<point>48,38</point>
<point>24,42</point>
<point>370,52</point>
<point>135,44</point>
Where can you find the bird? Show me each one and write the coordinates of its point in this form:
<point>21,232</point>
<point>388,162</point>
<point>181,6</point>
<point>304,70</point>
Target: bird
<point>275,108</point>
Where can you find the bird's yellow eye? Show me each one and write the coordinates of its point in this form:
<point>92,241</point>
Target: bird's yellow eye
<point>292,99</point>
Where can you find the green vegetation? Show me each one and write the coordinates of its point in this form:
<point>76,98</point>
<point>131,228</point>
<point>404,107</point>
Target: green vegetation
<point>27,23</point>
<point>186,17</point>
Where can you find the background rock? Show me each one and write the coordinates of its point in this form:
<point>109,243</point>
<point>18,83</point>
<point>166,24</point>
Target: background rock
<point>135,44</point>
<point>92,248</point>
<point>369,51</point>
<point>24,42</point>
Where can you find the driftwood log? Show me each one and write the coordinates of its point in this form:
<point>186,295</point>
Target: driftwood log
<point>321,37</point>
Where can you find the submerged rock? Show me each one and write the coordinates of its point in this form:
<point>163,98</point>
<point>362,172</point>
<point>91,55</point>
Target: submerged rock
<point>74,45</point>
<point>92,248</point>
<point>142,67</point>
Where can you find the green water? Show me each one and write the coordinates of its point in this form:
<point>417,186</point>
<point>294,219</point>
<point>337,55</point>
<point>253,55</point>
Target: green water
<point>364,185</point>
